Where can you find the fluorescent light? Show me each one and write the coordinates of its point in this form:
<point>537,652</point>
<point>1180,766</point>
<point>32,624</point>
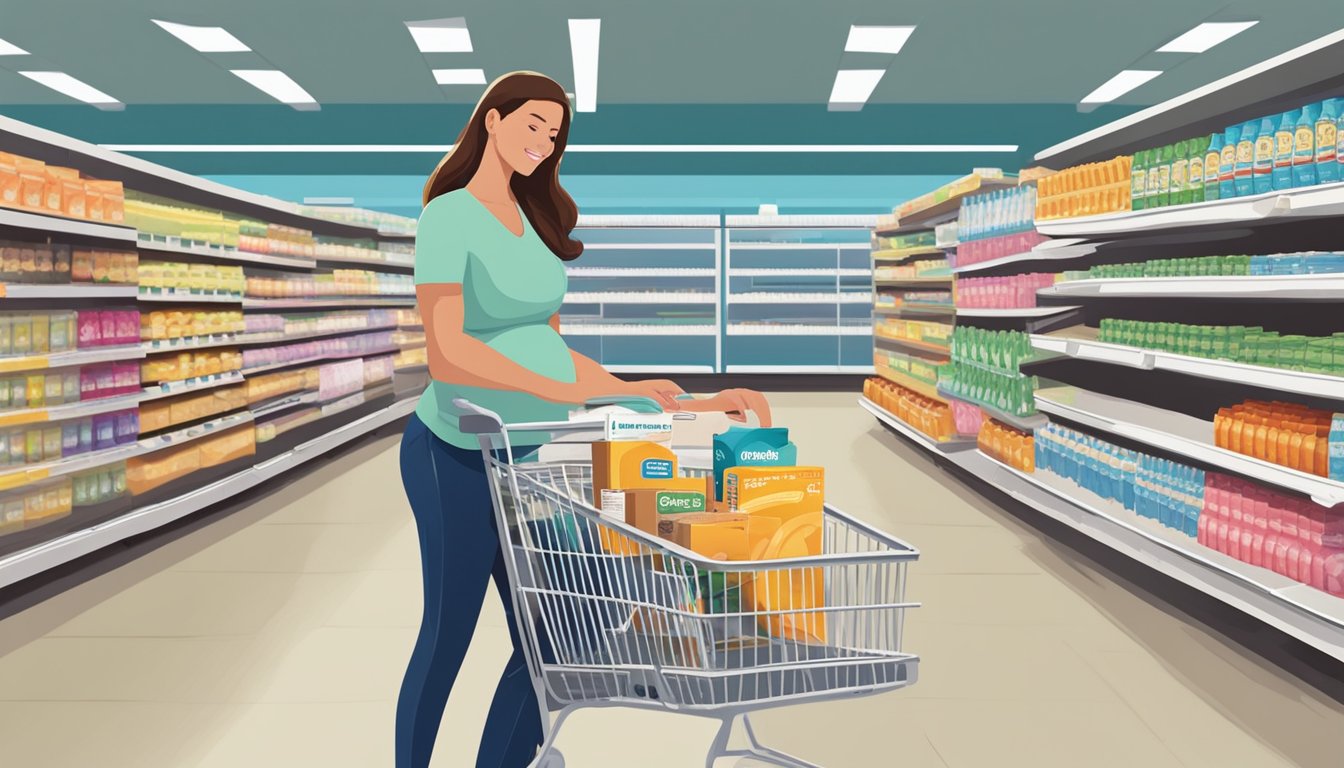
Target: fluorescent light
<point>854,86</point>
<point>9,49</point>
<point>1205,36</point>
<point>441,35</point>
<point>877,39</point>
<point>459,76</point>
<point>74,88</point>
<point>1118,86</point>
<point>595,148</point>
<point>584,37</point>
<point>204,39</point>
<point>277,85</point>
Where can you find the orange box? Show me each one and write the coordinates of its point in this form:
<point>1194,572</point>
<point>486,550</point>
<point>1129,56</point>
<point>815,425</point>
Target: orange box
<point>715,535</point>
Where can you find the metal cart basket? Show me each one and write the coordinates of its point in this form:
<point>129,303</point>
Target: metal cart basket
<point>613,616</point>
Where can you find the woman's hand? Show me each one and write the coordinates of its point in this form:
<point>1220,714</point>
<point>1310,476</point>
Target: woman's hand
<point>737,403</point>
<point>662,391</point>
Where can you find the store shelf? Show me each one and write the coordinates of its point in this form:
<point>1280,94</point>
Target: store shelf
<point>1325,287</point>
<point>853,370</point>
<point>911,383</point>
<point>1299,76</point>
<point>196,384</point>
<point>1024,423</point>
<point>650,247</point>
<point>790,246</point>
<point>1324,201</point>
<point>1038,253</point>
<point>893,421</point>
<point>1310,615</point>
<point>638,369</point>
<point>641,272</point>
<point>19,417</point>
<point>1015,312</point>
<point>366,262</point>
<point>632,297</point>
<point>801,221</point>
<point>318,303</point>
<point>284,403</point>
<point>320,359</point>
<point>947,208</point>
<point>244,339</point>
<point>185,435</point>
<point>786,272</point>
<point>1181,434</point>
<point>188,297</point>
<point>156,346</point>
<point>923,311</point>
<point>59,225</point>
<point>898,255</point>
<point>793,298</point>
<point>921,346</point>
<point>69,359</point>
<point>912,281</point>
<point>66,291</point>
<point>39,558</point>
<point>637,330</point>
<point>15,477</point>
<point>784,329</point>
<point>176,247</point>
<point>1081,342</point>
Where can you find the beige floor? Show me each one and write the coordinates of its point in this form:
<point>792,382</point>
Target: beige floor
<point>277,637</point>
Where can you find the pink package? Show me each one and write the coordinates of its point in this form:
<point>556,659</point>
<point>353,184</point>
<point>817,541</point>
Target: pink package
<point>90,329</point>
<point>966,417</point>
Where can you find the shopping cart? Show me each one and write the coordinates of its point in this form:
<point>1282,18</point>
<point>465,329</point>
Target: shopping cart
<point>613,616</point>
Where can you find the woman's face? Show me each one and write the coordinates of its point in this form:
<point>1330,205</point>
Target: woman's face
<point>527,136</point>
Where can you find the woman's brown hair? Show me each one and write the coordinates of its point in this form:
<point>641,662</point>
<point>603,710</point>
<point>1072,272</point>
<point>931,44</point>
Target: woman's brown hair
<point>547,205</point>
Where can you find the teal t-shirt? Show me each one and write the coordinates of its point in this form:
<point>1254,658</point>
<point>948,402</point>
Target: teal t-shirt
<point>511,287</point>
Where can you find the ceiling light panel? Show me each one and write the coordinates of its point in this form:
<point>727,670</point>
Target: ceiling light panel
<point>441,35</point>
<point>1205,36</point>
<point>74,88</point>
<point>1118,86</point>
<point>278,86</point>
<point>459,76</point>
<point>584,38</point>
<point>854,86</point>
<point>204,39</point>
<point>877,39</point>
<point>9,49</point>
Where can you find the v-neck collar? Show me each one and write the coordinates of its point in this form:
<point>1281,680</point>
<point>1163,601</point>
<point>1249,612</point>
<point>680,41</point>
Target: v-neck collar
<point>521,216</point>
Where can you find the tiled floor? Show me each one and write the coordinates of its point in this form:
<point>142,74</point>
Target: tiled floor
<point>277,637</point>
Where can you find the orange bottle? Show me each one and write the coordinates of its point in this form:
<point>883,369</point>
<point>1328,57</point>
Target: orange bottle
<point>1258,450</point>
<point>1295,451</point>
<point>1271,453</point>
<point>1307,461</point>
<point>1285,441</point>
<point>1322,464</point>
<point>1234,433</point>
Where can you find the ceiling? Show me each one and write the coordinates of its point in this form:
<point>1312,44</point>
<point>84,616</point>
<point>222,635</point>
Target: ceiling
<point>691,71</point>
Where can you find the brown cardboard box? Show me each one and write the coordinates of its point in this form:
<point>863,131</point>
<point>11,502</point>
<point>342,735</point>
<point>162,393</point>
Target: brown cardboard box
<point>653,510</point>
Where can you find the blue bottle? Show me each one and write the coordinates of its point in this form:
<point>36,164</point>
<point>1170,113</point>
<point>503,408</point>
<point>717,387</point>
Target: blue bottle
<point>1243,174</point>
<point>1227,163</point>
<point>1283,150</point>
<point>1304,147</point>
<point>1327,134</point>
<point>1263,169</point>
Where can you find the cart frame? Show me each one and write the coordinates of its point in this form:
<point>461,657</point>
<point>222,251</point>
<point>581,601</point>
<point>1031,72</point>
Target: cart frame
<point>623,613</point>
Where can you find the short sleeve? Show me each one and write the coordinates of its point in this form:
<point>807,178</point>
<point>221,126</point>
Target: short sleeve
<point>441,243</point>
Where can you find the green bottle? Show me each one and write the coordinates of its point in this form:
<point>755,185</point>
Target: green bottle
<point>1199,148</point>
<point>1154,177</point>
<point>1164,176</point>
<point>1180,175</point>
<point>1138,180</point>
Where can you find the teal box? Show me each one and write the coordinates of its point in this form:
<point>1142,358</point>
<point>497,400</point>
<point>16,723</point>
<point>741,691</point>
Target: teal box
<point>751,447</point>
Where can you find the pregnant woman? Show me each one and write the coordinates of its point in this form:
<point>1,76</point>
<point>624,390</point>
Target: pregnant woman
<point>490,280</point>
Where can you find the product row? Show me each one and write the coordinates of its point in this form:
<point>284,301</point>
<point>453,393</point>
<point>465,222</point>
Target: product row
<point>389,223</point>
<point>340,346</point>
<point>169,218</point>
<point>54,264</point>
<point>917,369</point>
<point>928,268</point>
<point>913,300</point>
<point>931,417</point>
<point>181,366</point>
<point>911,241</point>
<point>52,500</point>
<point>156,276</point>
<point>43,333</point>
<point>1314,263</point>
<point>34,186</point>
<point>44,389</point>
<point>995,214</point>
<point>177,324</point>
<point>980,251</point>
<point>159,415</point>
<point>341,282</point>
<point>922,331</point>
<point>1288,434</point>
<point>1085,190</point>
<point>341,248</point>
<point>40,443</point>
<point>305,324</point>
<point>1011,393</point>
<point>1010,292</point>
<point>1009,446</point>
<point>1250,345</point>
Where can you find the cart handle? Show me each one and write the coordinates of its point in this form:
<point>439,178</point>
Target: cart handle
<point>480,421</point>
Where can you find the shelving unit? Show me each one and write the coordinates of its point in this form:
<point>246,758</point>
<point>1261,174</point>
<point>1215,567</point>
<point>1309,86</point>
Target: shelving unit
<point>799,293</point>
<point>1323,287</point>
<point>921,439</point>
<point>56,536</point>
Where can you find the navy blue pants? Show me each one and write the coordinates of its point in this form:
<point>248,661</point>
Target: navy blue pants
<point>459,553</point>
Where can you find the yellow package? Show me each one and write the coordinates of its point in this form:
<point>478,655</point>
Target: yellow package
<point>790,591</point>
<point>629,465</point>
<point>783,493</point>
<point>717,536</point>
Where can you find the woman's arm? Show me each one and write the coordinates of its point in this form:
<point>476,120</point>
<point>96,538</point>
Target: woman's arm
<point>458,358</point>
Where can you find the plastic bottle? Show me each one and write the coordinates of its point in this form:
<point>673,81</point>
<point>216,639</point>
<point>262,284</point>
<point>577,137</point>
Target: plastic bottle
<point>1138,180</point>
<point>1339,137</point>
<point>1227,163</point>
<point>1195,184</point>
<point>1304,147</point>
<point>1180,174</point>
<point>1327,136</point>
<point>1213,155</point>
<point>1154,177</point>
<point>1164,176</point>
<point>1262,170</point>
<point>1244,183</point>
<point>1283,150</point>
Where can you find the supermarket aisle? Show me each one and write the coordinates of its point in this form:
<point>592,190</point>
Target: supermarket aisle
<point>277,637</point>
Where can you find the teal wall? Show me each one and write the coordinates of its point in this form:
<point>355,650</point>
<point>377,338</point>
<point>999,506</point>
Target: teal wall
<point>632,194</point>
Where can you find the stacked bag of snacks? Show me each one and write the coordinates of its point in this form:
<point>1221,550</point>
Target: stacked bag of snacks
<point>34,186</point>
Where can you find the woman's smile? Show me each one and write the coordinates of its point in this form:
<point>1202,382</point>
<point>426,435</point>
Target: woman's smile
<point>534,156</point>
